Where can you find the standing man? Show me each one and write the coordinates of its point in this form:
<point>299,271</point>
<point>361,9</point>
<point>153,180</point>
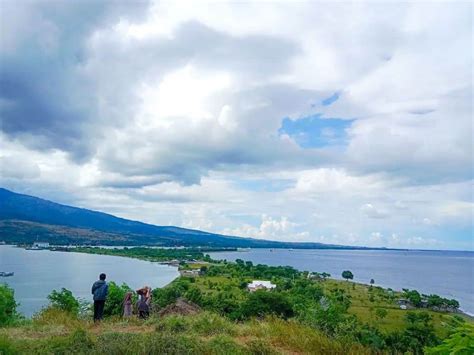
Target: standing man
<point>99,290</point>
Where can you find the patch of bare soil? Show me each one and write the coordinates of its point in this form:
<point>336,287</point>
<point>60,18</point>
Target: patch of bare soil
<point>181,307</point>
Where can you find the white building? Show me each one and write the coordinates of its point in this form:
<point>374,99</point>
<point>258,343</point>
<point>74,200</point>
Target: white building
<point>260,285</point>
<point>41,244</point>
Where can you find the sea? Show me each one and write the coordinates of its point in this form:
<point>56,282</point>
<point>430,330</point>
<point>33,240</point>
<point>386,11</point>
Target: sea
<point>38,272</point>
<point>449,274</point>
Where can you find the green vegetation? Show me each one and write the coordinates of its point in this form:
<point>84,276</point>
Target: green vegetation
<point>152,254</point>
<point>58,332</point>
<point>305,313</point>
<point>430,301</point>
<point>460,341</point>
<point>347,275</point>
<point>64,300</point>
<point>7,305</point>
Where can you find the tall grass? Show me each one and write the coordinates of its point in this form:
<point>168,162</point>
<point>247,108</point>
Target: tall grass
<point>57,332</point>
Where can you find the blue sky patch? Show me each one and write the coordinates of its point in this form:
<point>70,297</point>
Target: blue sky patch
<point>316,132</point>
<point>331,99</point>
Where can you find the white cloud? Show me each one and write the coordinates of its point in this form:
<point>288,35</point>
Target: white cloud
<point>370,211</point>
<point>272,228</point>
<point>172,116</point>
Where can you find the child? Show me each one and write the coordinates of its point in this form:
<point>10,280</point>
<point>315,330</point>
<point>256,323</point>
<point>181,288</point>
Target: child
<point>127,305</point>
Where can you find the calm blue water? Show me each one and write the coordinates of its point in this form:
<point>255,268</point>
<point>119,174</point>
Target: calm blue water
<point>446,273</point>
<point>38,272</point>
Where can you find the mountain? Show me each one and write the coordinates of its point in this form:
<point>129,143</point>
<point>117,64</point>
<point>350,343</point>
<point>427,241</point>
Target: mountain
<point>24,219</point>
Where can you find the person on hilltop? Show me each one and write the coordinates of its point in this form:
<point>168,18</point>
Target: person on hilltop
<point>127,305</point>
<point>144,302</point>
<point>100,290</point>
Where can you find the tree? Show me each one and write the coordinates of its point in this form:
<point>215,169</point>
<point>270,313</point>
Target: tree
<point>372,281</point>
<point>420,331</point>
<point>381,313</point>
<point>261,303</point>
<point>64,300</point>
<point>347,275</point>
<point>413,296</point>
<point>7,305</point>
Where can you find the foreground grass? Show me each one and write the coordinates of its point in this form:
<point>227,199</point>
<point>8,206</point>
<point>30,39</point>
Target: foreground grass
<point>57,332</point>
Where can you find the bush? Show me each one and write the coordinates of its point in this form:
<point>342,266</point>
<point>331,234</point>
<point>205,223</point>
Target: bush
<point>64,300</point>
<point>115,297</point>
<point>7,305</point>
<point>261,303</point>
<point>419,332</point>
<point>381,313</point>
<point>461,341</point>
<point>168,295</point>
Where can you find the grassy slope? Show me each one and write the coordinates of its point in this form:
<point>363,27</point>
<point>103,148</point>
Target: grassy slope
<point>56,332</point>
<point>206,333</point>
<point>364,309</point>
<point>361,306</point>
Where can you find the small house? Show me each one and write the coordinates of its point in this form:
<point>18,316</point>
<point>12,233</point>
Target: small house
<point>41,245</point>
<point>403,303</point>
<point>260,285</point>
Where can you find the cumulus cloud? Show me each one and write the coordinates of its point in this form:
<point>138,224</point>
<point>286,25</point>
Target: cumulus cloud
<point>372,212</point>
<point>272,228</point>
<point>347,123</point>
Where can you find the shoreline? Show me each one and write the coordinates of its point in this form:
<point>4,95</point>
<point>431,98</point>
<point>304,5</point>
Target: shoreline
<point>175,264</point>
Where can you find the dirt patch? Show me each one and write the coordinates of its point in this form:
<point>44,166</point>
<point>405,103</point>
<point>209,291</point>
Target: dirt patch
<point>181,307</point>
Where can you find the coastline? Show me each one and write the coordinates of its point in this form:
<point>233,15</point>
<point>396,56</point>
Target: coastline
<point>174,263</point>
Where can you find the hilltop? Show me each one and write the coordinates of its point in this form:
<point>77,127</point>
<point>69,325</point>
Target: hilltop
<point>211,309</point>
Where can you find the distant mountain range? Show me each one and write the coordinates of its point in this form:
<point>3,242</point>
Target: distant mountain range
<point>25,219</point>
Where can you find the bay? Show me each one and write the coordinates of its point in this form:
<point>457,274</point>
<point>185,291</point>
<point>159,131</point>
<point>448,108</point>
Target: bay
<point>38,272</point>
<point>446,273</point>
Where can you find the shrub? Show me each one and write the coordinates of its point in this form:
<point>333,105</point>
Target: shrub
<point>194,294</point>
<point>7,305</point>
<point>114,302</point>
<point>64,300</point>
<point>461,341</point>
<point>165,296</point>
<point>381,313</point>
<point>261,303</point>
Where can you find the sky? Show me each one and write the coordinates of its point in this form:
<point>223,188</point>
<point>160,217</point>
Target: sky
<point>333,122</point>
